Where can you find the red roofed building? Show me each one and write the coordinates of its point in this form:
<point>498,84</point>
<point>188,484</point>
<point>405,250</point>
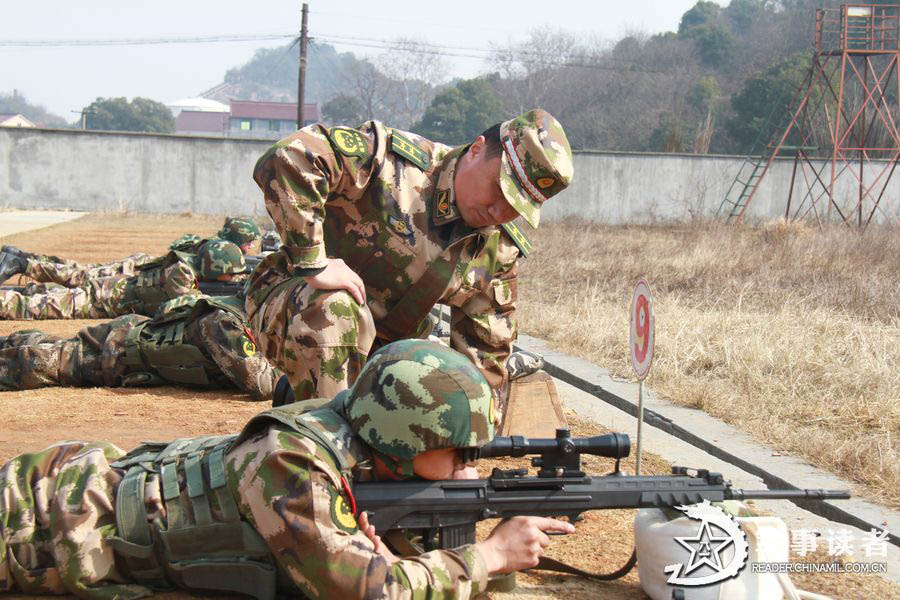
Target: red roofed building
<point>201,122</point>
<point>267,119</point>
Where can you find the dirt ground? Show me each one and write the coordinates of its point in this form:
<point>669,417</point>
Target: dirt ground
<point>34,419</point>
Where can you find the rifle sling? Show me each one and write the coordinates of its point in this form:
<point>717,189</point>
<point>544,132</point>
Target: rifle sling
<point>548,564</point>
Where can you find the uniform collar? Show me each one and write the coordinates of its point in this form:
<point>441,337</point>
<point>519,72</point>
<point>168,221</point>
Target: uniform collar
<point>444,201</point>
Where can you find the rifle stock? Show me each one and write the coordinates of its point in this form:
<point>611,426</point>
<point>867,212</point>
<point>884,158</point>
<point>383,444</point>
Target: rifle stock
<point>448,510</point>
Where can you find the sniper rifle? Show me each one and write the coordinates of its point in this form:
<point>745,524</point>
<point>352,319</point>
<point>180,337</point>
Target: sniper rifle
<point>446,511</point>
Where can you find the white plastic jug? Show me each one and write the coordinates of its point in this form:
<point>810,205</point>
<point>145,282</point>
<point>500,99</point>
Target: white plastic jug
<point>767,538</point>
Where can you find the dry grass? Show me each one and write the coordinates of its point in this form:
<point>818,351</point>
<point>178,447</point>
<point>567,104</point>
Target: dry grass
<point>790,333</point>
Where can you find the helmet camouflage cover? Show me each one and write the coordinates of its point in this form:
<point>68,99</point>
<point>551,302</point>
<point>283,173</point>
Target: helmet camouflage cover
<point>239,230</point>
<point>220,257</point>
<point>414,395</point>
<point>185,241</point>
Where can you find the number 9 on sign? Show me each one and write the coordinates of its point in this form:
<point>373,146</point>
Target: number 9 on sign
<point>642,326</point>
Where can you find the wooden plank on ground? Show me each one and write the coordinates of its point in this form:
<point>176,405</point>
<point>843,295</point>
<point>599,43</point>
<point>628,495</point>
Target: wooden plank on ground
<point>534,410</point>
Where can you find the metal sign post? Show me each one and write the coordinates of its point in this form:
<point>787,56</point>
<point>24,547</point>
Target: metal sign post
<point>641,349</point>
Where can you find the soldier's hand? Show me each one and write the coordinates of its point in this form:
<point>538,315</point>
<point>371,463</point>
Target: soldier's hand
<point>519,542</point>
<point>380,547</point>
<point>338,276</point>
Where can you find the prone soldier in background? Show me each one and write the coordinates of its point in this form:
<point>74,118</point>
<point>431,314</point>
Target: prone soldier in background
<point>241,231</point>
<point>167,277</point>
<point>45,268</point>
<point>195,341</point>
<point>270,510</point>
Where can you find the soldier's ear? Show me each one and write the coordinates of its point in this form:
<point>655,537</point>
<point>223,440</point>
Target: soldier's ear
<point>476,149</point>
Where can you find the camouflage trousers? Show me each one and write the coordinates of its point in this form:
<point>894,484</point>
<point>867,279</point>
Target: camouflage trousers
<point>73,274</point>
<point>97,299</point>
<point>57,513</point>
<point>95,356</point>
<point>319,338</point>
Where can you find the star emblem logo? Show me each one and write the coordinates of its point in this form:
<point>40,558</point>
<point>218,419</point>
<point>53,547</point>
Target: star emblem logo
<point>705,549</point>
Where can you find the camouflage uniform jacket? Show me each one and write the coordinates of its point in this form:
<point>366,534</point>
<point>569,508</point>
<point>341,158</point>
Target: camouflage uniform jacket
<point>383,201</point>
<point>291,490</point>
<point>58,521</point>
<point>219,334</point>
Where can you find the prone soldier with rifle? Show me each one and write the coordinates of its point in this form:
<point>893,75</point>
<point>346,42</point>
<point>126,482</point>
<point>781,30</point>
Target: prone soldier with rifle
<point>282,507</point>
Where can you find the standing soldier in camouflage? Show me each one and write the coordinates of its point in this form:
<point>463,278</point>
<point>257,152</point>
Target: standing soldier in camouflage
<point>378,225</point>
<point>270,510</point>
<point>53,269</point>
<point>196,341</point>
<point>168,277</point>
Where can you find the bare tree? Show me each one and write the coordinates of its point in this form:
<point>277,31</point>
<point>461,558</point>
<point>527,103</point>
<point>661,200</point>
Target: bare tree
<point>531,70</point>
<point>415,70</point>
<point>363,80</point>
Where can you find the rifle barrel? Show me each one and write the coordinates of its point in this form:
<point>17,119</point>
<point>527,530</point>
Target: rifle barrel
<point>810,494</point>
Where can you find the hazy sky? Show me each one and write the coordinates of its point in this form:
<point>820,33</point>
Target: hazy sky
<point>67,78</point>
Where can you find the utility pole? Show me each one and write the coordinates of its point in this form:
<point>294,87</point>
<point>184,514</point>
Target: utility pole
<point>301,79</point>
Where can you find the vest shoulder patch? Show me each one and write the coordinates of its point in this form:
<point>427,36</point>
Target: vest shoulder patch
<point>348,142</point>
<point>519,238</point>
<point>408,150</point>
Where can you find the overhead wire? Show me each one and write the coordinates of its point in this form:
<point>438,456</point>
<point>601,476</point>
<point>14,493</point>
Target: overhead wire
<point>417,47</point>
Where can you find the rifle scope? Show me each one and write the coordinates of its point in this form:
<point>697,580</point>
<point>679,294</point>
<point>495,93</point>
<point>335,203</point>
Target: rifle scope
<point>611,445</point>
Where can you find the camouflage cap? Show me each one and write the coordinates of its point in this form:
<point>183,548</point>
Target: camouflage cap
<point>218,257</point>
<point>239,230</point>
<point>415,395</point>
<point>536,163</point>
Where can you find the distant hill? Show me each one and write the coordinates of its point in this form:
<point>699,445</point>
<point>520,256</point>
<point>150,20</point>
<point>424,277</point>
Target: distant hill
<point>271,75</point>
<point>16,103</point>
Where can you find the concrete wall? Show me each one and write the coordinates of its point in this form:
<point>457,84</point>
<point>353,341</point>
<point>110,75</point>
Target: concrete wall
<point>86,170</point>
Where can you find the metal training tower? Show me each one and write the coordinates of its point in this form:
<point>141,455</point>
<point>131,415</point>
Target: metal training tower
<point>842,128</point>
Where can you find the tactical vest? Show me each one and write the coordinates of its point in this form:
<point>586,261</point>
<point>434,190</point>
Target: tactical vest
<point>156,349</point>
<point>144,291</point>
<point>208,546</point>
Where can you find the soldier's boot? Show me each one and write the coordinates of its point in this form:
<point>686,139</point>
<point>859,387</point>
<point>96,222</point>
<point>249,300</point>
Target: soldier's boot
<point>18,252</point>
<point>283,393</point>
<point>522,363</point>
<point>10,265</point>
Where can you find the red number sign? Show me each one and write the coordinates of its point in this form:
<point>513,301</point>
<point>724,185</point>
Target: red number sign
<point>642,326</point>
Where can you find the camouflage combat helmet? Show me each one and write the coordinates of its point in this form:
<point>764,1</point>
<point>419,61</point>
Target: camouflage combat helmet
<point>239,230</point>
<point>218,257</point>
<point>536,162</point>
<point>415,395</point>
<point>187,240</point>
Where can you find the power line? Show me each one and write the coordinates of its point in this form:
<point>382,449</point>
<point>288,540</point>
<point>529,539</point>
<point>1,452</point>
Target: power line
<point>367,18</point>
<point>208,39</point>
<point>362,42</point>
<point>426,48</point>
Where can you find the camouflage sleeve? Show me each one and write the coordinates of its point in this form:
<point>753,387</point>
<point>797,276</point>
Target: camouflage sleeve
<point>300,509</point>
<point>484,327</point>
<point>179,279</point>
<point>230,345</point>
<point>297,176</point>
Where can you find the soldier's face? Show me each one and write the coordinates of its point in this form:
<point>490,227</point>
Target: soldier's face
<point>477,189</point>
<point>442,464</point>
